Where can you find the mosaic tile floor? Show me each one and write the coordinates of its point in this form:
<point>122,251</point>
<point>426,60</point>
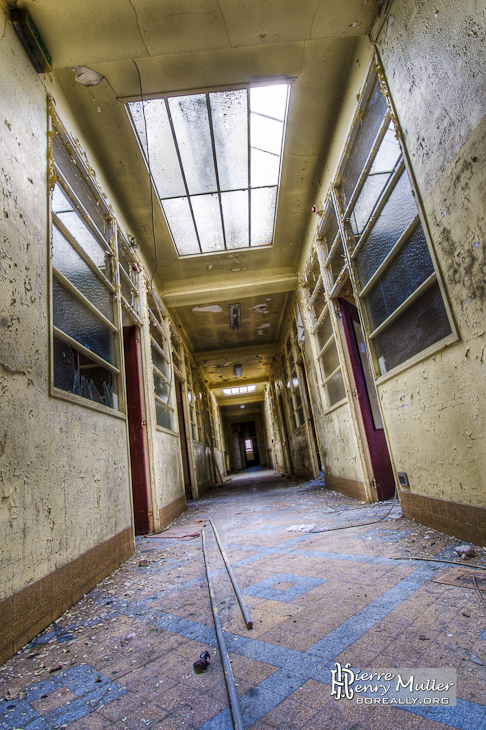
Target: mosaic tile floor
<point>122,657</point>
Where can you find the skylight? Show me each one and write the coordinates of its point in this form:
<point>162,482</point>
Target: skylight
<point>239,391</point>
<point>215,164</point>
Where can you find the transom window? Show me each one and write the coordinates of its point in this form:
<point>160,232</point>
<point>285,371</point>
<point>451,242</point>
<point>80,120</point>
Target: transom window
<point>215,160</point>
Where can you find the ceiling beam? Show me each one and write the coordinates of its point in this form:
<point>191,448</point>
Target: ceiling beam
<point>216,290</point>
<point>235,353</point>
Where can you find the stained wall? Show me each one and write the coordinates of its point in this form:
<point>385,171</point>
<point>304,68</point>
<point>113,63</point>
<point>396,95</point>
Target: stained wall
<point>435,411</point>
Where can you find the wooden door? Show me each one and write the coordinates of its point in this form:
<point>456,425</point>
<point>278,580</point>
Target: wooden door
<point>137,431</point>
<point>368,402</point>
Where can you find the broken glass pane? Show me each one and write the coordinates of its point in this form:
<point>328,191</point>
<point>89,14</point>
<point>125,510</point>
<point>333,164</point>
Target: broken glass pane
<point>80,323</point>
<point>269,100</point>
<point>337,262</point>
<point>69,262</point>
<point>96,383</point>
<point>264,168</point>
<point>235,216</point>
<point>164,162</point>
<point>266,134</point>
<point>181,225</point>
<point>208,222</point>
<point>229,111</point>
<point>191,126</point>
<point>263,201</point>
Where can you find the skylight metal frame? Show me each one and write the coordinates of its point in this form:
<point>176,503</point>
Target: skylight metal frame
<point>187,195</point>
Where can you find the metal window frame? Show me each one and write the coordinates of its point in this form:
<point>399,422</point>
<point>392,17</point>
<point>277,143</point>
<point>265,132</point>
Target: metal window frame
<point>57,130</point>
<point>165,97</point>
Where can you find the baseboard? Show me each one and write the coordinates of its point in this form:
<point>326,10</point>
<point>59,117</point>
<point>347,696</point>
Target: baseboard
<point>464,521</point>
<point>304,474</point>
<point>32,609</point>
<point>349,487</point>
<point>168,513</point>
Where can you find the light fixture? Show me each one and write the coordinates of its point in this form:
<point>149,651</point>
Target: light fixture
<point>238,371</point>
<point>31,40</point>
<point>235,316</point>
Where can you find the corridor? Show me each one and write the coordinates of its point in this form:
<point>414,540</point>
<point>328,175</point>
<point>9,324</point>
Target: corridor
<point>122,657</point>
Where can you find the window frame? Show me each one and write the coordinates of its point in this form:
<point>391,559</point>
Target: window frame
<point>107,242</point>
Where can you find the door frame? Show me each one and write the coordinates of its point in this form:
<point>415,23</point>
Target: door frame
<point>375,438</point>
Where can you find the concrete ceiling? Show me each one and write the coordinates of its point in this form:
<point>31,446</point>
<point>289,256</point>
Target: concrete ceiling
<point>191,45</point>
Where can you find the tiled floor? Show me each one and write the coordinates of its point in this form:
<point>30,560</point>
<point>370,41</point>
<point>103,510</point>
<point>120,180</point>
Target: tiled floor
<point>122,657</point>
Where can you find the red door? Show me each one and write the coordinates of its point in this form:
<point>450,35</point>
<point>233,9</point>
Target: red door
<point>141,508</point>
<point>368,402</point>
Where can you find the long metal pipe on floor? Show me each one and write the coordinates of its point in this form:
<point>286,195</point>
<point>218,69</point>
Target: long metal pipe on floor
<point>234,703</point>
<point>243,607</point>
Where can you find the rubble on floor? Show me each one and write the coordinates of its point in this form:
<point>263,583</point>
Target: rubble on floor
<point>123,656</point>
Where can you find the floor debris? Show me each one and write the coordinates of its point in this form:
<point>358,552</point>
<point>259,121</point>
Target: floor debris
<point>315,599</point>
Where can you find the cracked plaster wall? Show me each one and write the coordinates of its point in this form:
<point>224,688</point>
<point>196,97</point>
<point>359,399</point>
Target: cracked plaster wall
<point>63,468</point>
<point>434,57</point>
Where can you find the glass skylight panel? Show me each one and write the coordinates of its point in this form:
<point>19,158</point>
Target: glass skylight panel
<point>191,126</point>
<point>208,222</point>
<point>263,202</point>
<point>215,163</point>
<point>229,112</point>
<point>241,390</point>
<point>235,216</point>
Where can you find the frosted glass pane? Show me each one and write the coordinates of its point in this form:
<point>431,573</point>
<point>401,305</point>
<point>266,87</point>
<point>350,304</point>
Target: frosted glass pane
<point>264,168</point>
<point>77,183</point>
<point>70,263</point>
<point>165,418</point>
<point>191,126</point>
<point>78,230</point>
<point>396,215</point>
<point>164,163</point>
<point>335,389</point>
<point>329,360</point>
<point>160,362</point>
<point>263,203</point>
<point>181,225</point>
<point>72,370</point>
<point>73,318</point>
<point>421,325</point>
<point>208,221</point>
<point>235,216</point>
<point>269,100</point>
<point>411,266</point>
<point>161,387</point>
<point>229,112</point>
<point>388,154</point>
<point>60,202</point>
<point>368,197</point>
<point>266,134</point>
<point>366,135</point>
<point>324,332</point>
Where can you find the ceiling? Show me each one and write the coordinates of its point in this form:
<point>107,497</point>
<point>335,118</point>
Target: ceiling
<point>169,46</point>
